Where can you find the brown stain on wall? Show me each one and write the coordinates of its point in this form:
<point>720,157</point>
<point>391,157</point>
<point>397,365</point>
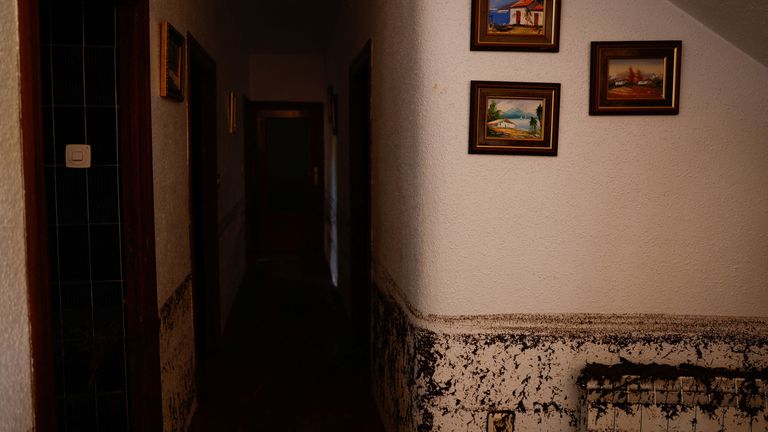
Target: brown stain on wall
<point>447,374</point>
<point>177,358</point>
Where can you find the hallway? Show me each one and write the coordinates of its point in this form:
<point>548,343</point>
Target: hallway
<point>286,360</point>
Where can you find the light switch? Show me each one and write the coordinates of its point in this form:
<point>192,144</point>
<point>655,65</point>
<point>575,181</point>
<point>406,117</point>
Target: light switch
<point>78,156</point>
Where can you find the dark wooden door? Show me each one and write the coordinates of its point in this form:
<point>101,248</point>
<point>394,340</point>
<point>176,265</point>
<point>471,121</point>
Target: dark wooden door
<point>360,194</point>
<point>129,21</point>
<point>284,178</point>
<point>203,179</point>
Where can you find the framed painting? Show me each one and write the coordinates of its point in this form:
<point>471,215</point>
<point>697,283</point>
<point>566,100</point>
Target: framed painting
<point>332,102</point>
<point>514,118</point>
<point>171,62</point>
<point>515,25</point>
<point>232,112</point>
<point>635,78</point>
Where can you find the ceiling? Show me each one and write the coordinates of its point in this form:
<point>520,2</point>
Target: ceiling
<point>304,25</point>
<point>288,26</point>
<point>744,23</point>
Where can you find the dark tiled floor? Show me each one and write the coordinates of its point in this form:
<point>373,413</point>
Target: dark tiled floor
<point>287,363</point>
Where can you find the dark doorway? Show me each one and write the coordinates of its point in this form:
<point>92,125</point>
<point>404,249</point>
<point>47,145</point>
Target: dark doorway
<point>284,178</point>
<point>93,303</point>
<point>203,202</point>
<point>360,194</point>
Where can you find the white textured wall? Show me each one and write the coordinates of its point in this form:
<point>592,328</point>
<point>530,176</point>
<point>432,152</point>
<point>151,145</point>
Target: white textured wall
<point>389,24</point>
<point>740,21</point>
<point>287,77</point>
<point>214,28</point>
<point>16,409</point>
<point>665,214</point>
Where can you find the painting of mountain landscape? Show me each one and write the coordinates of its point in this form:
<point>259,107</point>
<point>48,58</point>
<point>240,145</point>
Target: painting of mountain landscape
<point>514,119</point>
<point>636,78</point>
<point>516,17</point>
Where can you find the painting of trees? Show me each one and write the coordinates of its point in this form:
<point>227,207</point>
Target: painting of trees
<point>494,113</point>
<point>539,112</point>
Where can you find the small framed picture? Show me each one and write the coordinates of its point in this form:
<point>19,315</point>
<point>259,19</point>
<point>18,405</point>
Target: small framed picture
<point>514,118</point>
<point>232,112</point>
<point>515,25</point>
<point>635,78</point>
<point>332,102</point>
<point>171,63</point>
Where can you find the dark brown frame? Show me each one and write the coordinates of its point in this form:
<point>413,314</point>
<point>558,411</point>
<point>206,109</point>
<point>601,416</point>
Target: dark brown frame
<point>257,244</point>
<point>39,295</point>
<point>170,38</point>
<point>203,207</point>
<point>331,106</point>
<point>481,90</point>
<point>135,126</point>
<point>603,52</point>
<point>548,42</point>
<point>358,156</point>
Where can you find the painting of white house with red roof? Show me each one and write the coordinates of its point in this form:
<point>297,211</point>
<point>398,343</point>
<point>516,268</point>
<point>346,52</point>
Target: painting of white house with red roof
<point>516,17</point>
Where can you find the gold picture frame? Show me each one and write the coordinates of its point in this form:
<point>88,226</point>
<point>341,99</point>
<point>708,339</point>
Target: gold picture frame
<point>171,62</point>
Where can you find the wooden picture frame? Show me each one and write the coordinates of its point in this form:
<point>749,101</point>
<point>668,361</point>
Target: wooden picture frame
<point>514,118</point>
<point>635,78</point>
<point>332,101</point>
<point>232,112</point>
<point>515,25</point>
<point>171,62</point>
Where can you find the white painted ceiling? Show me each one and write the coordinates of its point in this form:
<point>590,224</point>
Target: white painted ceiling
<point>744,23</point>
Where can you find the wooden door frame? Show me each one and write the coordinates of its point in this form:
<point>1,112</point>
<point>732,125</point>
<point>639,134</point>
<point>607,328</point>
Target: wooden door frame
<point>360,172</point>
<point>250,153</point>
<point>135,133</point>
<point>135,126</point>
<point>38,276</point>
<point>206,304</point>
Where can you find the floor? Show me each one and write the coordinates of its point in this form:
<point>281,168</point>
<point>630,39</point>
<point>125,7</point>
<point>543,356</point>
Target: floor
<point>287,362</point>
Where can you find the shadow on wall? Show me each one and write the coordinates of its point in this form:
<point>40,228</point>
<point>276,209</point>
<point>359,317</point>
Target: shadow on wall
<point>396,174</point>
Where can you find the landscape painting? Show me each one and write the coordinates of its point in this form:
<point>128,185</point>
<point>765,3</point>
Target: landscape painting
<point>515,25</point>
<point>518,118</point>
<point>516,17</point>
<point>512,118</point>
<point>636,78</point>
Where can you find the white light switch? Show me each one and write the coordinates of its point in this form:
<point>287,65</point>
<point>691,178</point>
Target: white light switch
<point>78,156</point>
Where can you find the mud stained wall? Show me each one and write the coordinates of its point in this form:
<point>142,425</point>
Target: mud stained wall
<point>446,374</point>
<point>177,360</point>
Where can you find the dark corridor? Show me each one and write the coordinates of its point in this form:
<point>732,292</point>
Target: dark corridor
<point>287,360</point>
